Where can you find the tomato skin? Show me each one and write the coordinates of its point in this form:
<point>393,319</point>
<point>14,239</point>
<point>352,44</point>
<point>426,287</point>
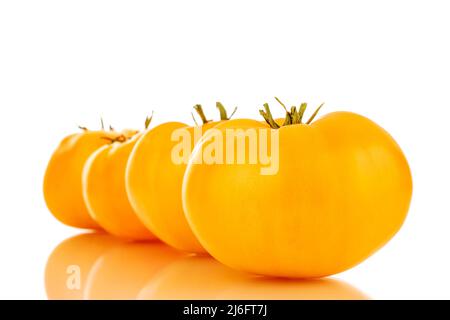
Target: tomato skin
<point>105,195</point>
<point>154,182</point>
<point>342,190</point>
<point>62,180</point>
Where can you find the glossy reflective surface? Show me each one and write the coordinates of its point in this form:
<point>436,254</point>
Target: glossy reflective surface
<point>99,266</point>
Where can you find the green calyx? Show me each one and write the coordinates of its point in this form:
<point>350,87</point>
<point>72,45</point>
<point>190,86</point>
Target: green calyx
<point>102,126</point>
<point>293,116</point>
<point>199,109</point>
<point>148,120</point>
<point>267,115</point>
<point>222,110</point>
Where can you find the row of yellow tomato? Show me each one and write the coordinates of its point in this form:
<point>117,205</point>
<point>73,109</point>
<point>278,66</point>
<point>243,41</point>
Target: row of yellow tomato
<point>342,190</point>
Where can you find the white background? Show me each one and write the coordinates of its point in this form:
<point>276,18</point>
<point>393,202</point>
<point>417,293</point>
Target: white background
<point>65,63</point>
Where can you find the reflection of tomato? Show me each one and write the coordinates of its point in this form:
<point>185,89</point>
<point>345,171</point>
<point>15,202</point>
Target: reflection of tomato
<point>104,190</point>
<point>342,190</point>
<point>265,288</point>
<point>74,258</point>
<point>154,185</point>
<point>207,279</point>
<point>62,181</point>
<point>122,271</point>
<point>195,277</point>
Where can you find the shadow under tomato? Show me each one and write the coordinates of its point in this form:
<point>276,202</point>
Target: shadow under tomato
<point>99,266</point>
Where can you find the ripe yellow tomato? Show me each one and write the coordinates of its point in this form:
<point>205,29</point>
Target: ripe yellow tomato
<point>62,181</point>
<point>154,180</point>
<point>153,183</point>
<point>104,190</point>
<point>341,191</point>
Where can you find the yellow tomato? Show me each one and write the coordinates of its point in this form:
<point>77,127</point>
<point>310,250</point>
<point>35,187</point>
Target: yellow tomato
<point>104,190</point>
<point>341,191</point>
<point>153,183</point>
<point>62,181</point>
<point>154,180</point>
